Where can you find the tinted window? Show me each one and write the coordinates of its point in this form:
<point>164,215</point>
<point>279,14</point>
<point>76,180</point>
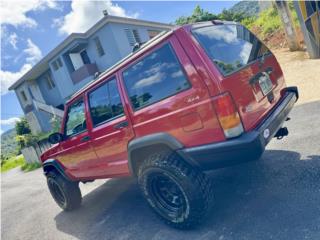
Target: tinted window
<point>230,46</point>
<point>76,121</point>
<point>105,103</point>
<point>157,76</point>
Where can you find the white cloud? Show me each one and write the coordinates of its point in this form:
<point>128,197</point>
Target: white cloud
<point>13,40</point>
<point>150,80</point>
<point>14,12</point>
<point>33,52</point>
<point>85,14</point>
<point>9,121</point>
<point>7,78</point>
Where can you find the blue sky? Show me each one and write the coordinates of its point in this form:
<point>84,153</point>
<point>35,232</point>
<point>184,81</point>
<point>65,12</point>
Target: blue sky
<point>32,28</point>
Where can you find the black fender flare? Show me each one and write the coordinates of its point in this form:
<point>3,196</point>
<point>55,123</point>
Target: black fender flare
<point>51,164</point>
<point>138,148</point>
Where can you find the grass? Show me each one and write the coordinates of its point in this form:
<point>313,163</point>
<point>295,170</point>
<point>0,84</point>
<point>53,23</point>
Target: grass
<point>17,161</point>
<point>269,21</point>
<point>12,162</point>
<point>27,167</point>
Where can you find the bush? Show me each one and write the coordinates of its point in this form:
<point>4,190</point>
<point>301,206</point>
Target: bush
<point>22,127</point>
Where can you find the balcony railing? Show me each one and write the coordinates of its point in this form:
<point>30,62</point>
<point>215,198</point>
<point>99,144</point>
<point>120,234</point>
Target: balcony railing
<point>83,72</point>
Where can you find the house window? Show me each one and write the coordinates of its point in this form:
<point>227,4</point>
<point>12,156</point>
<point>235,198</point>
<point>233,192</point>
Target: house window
<point>49,81</point>
<point>57,64</point>
<point>24,96</point>
<point>153,33</point>
<point>99,47</point>
<point>133,36</point>
<point>85,57</point>
<point>136,35</point>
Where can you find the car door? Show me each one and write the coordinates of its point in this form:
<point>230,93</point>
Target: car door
<point>76,152</point>
<point>111,128</point>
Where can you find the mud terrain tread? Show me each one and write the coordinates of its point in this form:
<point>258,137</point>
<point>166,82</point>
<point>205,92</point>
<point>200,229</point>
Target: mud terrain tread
<point>193,178</point>
<point>71,191</point>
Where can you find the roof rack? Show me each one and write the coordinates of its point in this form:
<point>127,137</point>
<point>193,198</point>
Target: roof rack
<point>150,43</point>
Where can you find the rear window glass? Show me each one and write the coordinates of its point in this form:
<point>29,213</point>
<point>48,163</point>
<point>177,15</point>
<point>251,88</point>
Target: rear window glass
<point>157,76</point>
<point>230,46</point>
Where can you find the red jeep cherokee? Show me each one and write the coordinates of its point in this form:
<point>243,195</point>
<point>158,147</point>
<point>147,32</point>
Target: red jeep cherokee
<point>199,97</point>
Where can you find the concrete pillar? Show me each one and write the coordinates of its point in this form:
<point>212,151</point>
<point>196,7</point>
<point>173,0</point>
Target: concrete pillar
<point>285,15</point>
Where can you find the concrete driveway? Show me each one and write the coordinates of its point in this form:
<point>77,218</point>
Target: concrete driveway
<point>276,197</point>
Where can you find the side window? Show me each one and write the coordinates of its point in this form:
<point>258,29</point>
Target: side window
<point>157,76</point>
<point>105,103</point>
<point>76,121</point>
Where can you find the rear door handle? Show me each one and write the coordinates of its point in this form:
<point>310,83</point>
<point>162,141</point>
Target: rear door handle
<point>85,139</point>
<point>121,125</point>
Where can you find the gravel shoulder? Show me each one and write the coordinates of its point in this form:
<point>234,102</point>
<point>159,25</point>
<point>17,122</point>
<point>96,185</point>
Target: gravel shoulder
<point>301,71</point>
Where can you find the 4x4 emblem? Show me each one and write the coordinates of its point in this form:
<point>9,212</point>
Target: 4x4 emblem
<point>192,99</point>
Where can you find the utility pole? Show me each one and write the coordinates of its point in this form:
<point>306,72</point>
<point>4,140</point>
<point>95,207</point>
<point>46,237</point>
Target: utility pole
<point>285,15</point>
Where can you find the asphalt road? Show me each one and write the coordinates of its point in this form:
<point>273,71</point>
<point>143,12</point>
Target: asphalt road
<point>276,197</point>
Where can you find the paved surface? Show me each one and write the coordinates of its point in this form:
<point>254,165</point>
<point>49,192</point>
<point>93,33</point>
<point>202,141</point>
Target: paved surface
<point>276,197</point>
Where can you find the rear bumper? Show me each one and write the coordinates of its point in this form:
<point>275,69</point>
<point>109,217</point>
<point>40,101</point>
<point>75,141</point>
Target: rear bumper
<point>249,146</point>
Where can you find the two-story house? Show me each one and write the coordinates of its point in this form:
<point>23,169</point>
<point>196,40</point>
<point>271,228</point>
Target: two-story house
<point>44,89</point>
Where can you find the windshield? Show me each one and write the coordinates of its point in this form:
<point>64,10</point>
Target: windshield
<point>230,46</point>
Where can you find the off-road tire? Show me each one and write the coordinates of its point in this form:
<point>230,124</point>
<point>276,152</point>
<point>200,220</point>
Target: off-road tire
<point>66,194</point>
<point>191,184</point>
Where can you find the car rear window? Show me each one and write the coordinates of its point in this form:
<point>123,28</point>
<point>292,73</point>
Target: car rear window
<point>230,46</point>
<point>157,76</point>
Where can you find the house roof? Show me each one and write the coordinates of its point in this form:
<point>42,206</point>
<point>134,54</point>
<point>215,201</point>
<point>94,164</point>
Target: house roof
<point>42,65</point>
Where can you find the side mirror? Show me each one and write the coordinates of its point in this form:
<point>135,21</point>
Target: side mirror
<point>55,138</point>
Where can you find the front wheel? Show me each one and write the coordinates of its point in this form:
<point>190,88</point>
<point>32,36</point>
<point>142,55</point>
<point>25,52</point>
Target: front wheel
<point>66,194</point>
<point>179,194</point>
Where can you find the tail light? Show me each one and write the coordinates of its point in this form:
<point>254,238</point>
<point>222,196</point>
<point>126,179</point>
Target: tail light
<point>228,115</point>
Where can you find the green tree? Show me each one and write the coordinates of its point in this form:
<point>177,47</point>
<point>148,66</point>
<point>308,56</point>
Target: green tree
<point>200,15</point>
<point>22,127</point>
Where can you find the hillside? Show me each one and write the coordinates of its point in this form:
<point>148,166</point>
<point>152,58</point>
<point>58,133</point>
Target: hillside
<point>250,8</point>
<point>8,143</point>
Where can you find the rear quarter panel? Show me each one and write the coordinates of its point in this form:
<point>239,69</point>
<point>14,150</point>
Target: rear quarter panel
<point>188,116</point>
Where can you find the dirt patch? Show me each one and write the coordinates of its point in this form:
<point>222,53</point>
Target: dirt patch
<point>300,71</point>
<point>277,39</point>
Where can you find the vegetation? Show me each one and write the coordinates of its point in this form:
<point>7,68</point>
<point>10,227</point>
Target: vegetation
<point>262,18</point>
<point>9,146</point>
<point>11,163</point>
<point>250,8</point>
<point>268,21</point>
<point>200,15</point>
<point>24,137</point>
<point>27,167</point>
<point>22,127</point>
<point>17,161</point>
<point>20,137</point>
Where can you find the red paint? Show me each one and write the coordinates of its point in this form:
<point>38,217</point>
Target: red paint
<point>189,116</point>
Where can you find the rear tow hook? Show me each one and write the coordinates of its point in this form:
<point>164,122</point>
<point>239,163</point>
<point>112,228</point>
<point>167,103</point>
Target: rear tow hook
<point>282,132</point>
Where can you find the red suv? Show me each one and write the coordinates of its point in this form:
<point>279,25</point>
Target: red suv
<point>196,98</point>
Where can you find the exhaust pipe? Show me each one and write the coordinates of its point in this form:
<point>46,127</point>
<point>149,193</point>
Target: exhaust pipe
<point>282,132</point>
